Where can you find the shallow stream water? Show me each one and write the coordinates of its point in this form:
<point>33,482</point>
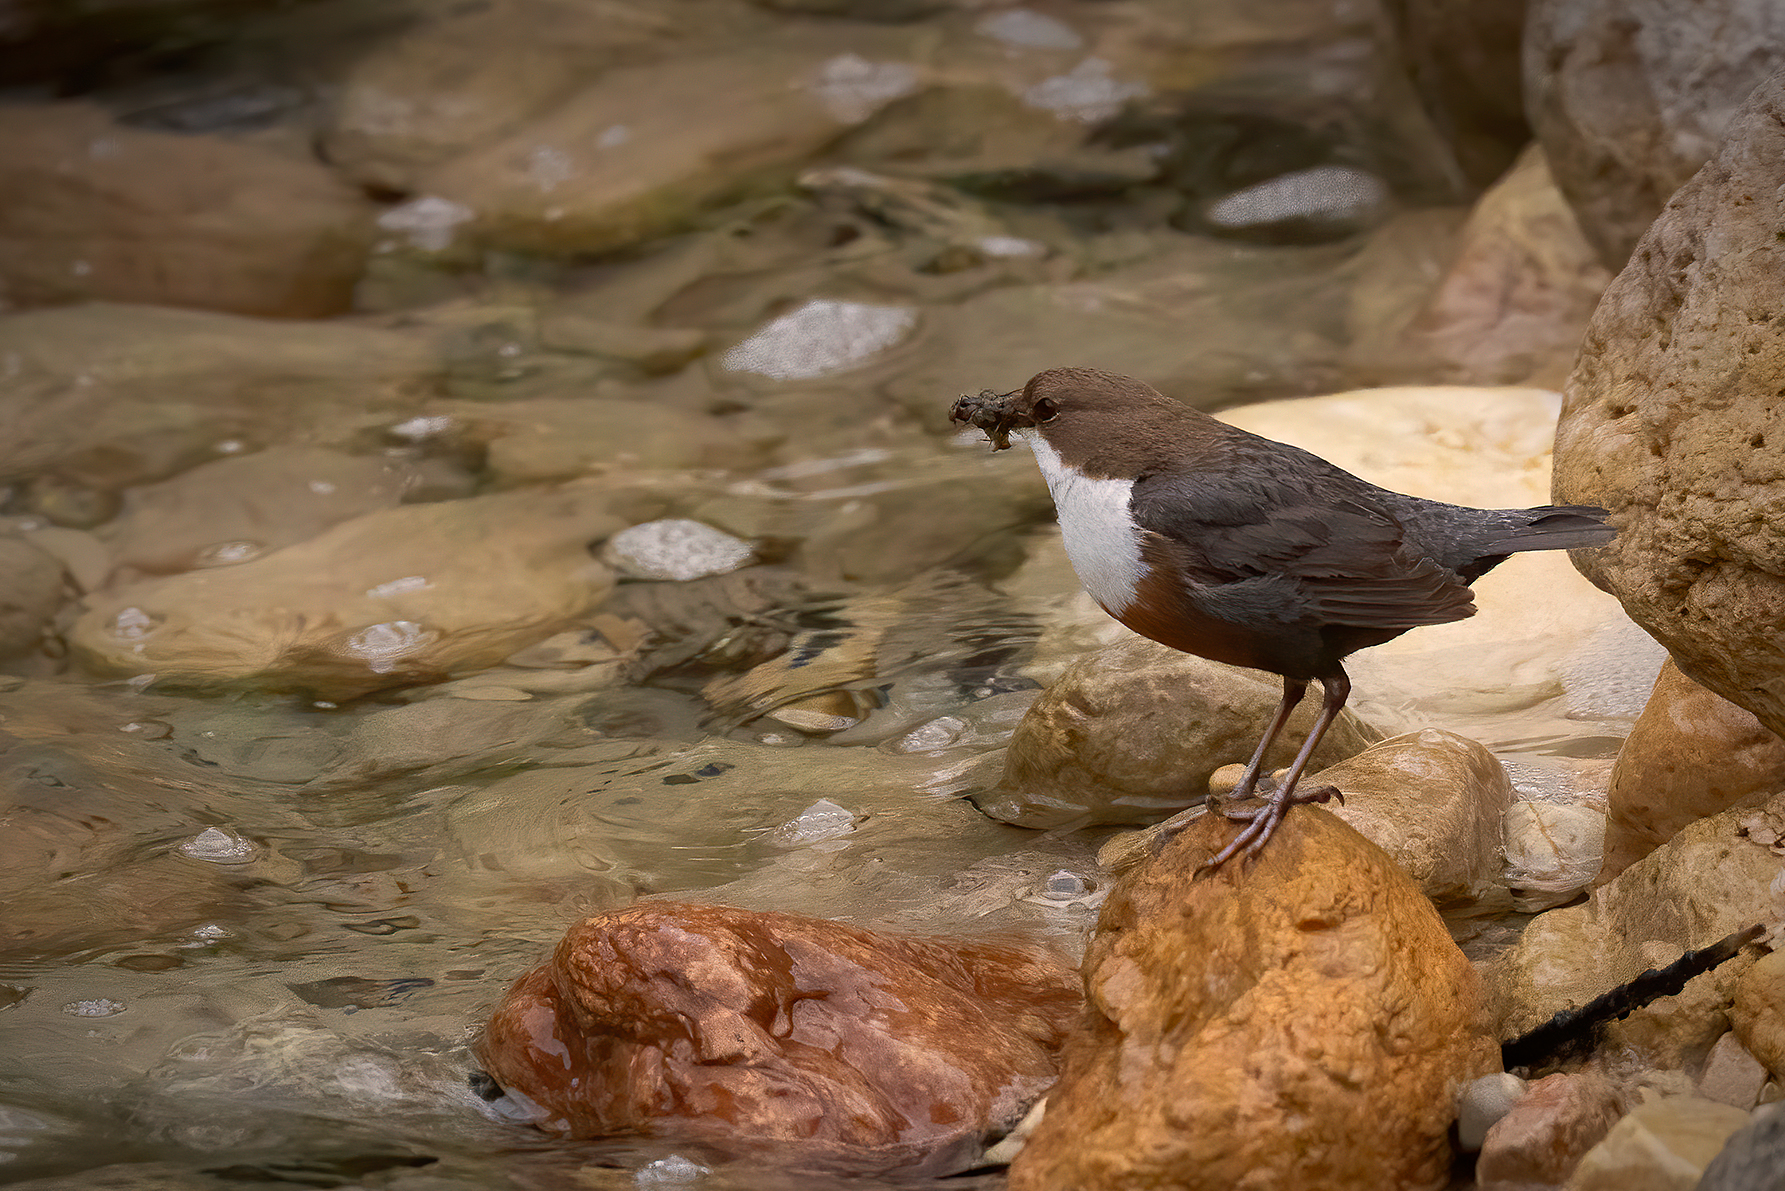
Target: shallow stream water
<point>248,934</point>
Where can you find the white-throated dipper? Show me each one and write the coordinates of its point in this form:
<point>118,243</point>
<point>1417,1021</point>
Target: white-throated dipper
<point>1251,552</point>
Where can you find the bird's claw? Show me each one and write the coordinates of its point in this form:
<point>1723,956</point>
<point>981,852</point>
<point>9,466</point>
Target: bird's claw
<point>1262,822</point>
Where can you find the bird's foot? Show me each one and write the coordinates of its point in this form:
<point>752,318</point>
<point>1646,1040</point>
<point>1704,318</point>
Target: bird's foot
<point>1261,822</point>
<point>1272,799</point>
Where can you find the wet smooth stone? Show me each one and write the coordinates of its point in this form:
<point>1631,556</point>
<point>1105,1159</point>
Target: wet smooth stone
<point>802,1041</point>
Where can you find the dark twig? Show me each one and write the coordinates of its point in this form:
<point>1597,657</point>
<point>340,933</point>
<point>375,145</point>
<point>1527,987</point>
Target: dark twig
<point>1572,1030</point>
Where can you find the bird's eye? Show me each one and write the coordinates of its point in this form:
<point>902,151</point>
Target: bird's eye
<point>1046,410</point>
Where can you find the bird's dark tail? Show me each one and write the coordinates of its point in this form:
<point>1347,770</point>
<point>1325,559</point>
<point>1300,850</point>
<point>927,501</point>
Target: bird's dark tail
<point>1550,527</point>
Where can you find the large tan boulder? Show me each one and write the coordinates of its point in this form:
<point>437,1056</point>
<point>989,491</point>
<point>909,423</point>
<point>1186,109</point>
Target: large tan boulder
<point>1758,1012</point>
<point>1516,286</point>
<point>1303,1021</point>
<point>1629,97</point>
<point>1671,421</point>
<point>795,1040</point>
<point>1692,753</point>
<point>101,210</point>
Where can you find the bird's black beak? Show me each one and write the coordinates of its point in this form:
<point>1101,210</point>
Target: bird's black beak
<point>992,413</point>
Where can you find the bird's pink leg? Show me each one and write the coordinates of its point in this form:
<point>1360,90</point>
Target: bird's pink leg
<point>1293,690</point>
<point>1261,822</point>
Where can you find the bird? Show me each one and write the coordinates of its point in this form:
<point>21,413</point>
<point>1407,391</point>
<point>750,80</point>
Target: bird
<point>1240,549</point>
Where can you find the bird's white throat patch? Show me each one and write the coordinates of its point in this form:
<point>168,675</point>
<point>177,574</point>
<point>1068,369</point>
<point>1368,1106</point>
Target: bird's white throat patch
<point>1101,537</point>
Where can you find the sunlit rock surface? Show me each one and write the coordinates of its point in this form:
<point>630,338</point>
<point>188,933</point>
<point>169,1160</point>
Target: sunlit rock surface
<point>1553,851</point>
<point>1433,800</point>
<point>407,594</point>
<point>1758,1011</point>
<point>1660,1145</point>
<point>1670,420</point>
<point>1302,1021</point>
<point>800,1041</point>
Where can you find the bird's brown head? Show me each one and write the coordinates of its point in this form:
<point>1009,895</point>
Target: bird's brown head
<point>1061,401</point>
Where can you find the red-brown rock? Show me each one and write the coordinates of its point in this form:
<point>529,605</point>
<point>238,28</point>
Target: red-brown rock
<point>807,1042</point>
<point>1542,1139</point>
<point>1300,1022</point>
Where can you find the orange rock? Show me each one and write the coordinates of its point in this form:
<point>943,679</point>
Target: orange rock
<point>1690,755</point>
<point>810,1042</point>
<point>1303,1021</point>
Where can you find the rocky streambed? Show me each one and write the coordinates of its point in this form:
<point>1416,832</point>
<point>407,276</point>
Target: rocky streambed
<point>477,507</point>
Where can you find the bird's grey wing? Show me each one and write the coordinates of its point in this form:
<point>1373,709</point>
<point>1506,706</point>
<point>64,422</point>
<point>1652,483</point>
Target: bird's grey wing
<point>1303,538</point>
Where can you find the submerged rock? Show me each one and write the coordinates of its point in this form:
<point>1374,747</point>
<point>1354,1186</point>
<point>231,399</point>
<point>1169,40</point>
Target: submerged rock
<point>243,506</point>
<point>405,595</point>
<point>109,395</point>
<point>1302,1021</point>
<point>101,210</point>
<point>31,593</point>
<point>642,149</point>
<point>798,1041</point>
